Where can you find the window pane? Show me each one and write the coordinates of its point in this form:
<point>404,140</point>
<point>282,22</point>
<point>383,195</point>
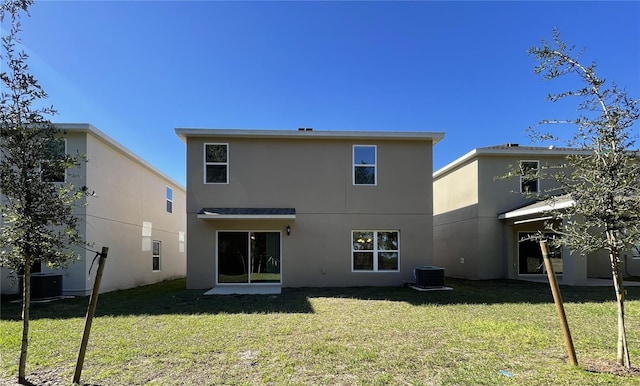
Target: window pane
<point>388,241</point>
<point>169,193</point>
<point>363,261</point>
<point>364,155</point>
<point>52,171</point>
<point>156,263</point>
<point>156,248</point>
<point>363,241</point>
<point>388,261</point>
<point>216,173</point>
<point>233,257</point>
<point>52,164</point>
<point>365,175</point>
<point>216,153</point>
<point>169,206</point>
<point>265,257</point>
<point>528,170</point>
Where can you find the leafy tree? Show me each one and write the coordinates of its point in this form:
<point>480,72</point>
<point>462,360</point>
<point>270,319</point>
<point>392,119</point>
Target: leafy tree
<point>37,206</point>
<point>603,176</point>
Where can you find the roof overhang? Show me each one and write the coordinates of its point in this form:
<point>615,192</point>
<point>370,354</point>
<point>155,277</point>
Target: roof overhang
<point>538,209</point>
<point>247,214</point>
<point>430,136</point>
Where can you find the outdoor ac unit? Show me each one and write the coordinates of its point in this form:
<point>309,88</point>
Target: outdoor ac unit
<point>429,276</point>
<point>44,285</point>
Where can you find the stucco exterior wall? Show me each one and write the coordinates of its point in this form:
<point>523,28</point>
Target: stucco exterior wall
<point>128,192</point>
<point>314,176</point>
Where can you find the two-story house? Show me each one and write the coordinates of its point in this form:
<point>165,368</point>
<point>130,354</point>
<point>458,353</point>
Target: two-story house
<point>133,208</point>
<point>288,208</point>
<point>482,223</point>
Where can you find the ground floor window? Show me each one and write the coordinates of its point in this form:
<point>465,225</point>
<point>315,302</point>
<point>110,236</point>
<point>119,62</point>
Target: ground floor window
<point>375,251</point>
<point>248,257</point>
<point>156,255</point>
<point>530,256</point>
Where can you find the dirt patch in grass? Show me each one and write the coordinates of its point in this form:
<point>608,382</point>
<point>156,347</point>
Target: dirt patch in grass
<point>609,367</point>
<point>42,377</point>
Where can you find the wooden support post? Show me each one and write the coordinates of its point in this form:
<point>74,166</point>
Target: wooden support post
<point>557,299</point>
<point>93,301</point>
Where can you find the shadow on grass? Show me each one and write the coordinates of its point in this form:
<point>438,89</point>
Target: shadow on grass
<point>171,297</point>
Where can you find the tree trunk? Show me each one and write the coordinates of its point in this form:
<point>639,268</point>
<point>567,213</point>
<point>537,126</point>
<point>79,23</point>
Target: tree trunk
<point>623,347</point>
<point>26,303</point>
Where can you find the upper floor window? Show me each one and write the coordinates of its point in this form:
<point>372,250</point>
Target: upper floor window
<point>375,250</point>
<point>216,163</point>
<point>364,165</point>
<point>169,200</point>
<point>528,182</point>
<point>52,167</point>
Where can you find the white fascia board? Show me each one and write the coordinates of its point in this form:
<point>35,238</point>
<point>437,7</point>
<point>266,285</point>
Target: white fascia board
<point>89,128</point>
<point>434,137</point>
<point>513,151</point>
<point>529,210</point>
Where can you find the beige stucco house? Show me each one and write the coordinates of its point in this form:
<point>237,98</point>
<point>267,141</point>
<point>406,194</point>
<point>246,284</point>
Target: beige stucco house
<point>133,208</point>
<point>481,223</point>
<point>288,208</point>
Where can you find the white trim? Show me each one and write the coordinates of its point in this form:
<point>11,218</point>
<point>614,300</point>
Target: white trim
<point>431,136</point>
<point>159,255</point>
<point>248,283</point>
<point>549,205</point>
<point>375,251</point>
<point>354,165</point>
<point>90,129</point>
<point>511,151</point>
<point>205,163</point>
<point>168,200</point>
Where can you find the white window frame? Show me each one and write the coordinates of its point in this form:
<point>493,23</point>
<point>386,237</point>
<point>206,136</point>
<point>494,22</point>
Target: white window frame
<point>204,159</point>
<point>537,179</point>
<point>375,250</point>
<point>248,232</point>
<point>169,202</point>
<point>158,256</point>
<point>354,165</point>
<point>64,140</point>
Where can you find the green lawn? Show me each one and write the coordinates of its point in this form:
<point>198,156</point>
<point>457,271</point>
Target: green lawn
<point>481,333</point>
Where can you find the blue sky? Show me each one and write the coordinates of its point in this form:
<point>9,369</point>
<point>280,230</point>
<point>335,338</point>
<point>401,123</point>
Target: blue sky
<point>137,70</point>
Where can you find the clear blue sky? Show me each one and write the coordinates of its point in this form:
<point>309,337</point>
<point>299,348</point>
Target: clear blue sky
<point>137,70</point>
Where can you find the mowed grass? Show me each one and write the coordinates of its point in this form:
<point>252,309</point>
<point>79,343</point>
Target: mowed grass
<point>481,333</point>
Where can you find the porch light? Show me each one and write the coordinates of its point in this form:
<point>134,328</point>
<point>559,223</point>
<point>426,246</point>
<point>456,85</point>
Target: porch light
<point>288,230</point>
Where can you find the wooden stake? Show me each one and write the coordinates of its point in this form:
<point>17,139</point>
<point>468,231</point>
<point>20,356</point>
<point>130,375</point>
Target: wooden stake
<point>90,312</point>
<point>557,299</point>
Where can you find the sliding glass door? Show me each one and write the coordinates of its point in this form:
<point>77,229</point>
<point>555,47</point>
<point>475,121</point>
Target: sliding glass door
<point>248,257</point>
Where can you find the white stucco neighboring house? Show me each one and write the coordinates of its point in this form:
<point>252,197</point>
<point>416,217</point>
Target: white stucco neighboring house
<point>135,210</point>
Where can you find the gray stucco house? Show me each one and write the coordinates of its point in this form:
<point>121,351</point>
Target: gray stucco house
<point>481,224</point>
<point>268,209</point>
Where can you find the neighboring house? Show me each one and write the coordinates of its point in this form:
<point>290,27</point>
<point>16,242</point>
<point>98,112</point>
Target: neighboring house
<point>135,210</point>
<point>481,223</point>
<point>283,208</point>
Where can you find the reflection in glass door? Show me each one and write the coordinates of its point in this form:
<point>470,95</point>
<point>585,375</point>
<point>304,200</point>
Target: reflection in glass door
<point>530,257</point>
<point>249,257</point>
